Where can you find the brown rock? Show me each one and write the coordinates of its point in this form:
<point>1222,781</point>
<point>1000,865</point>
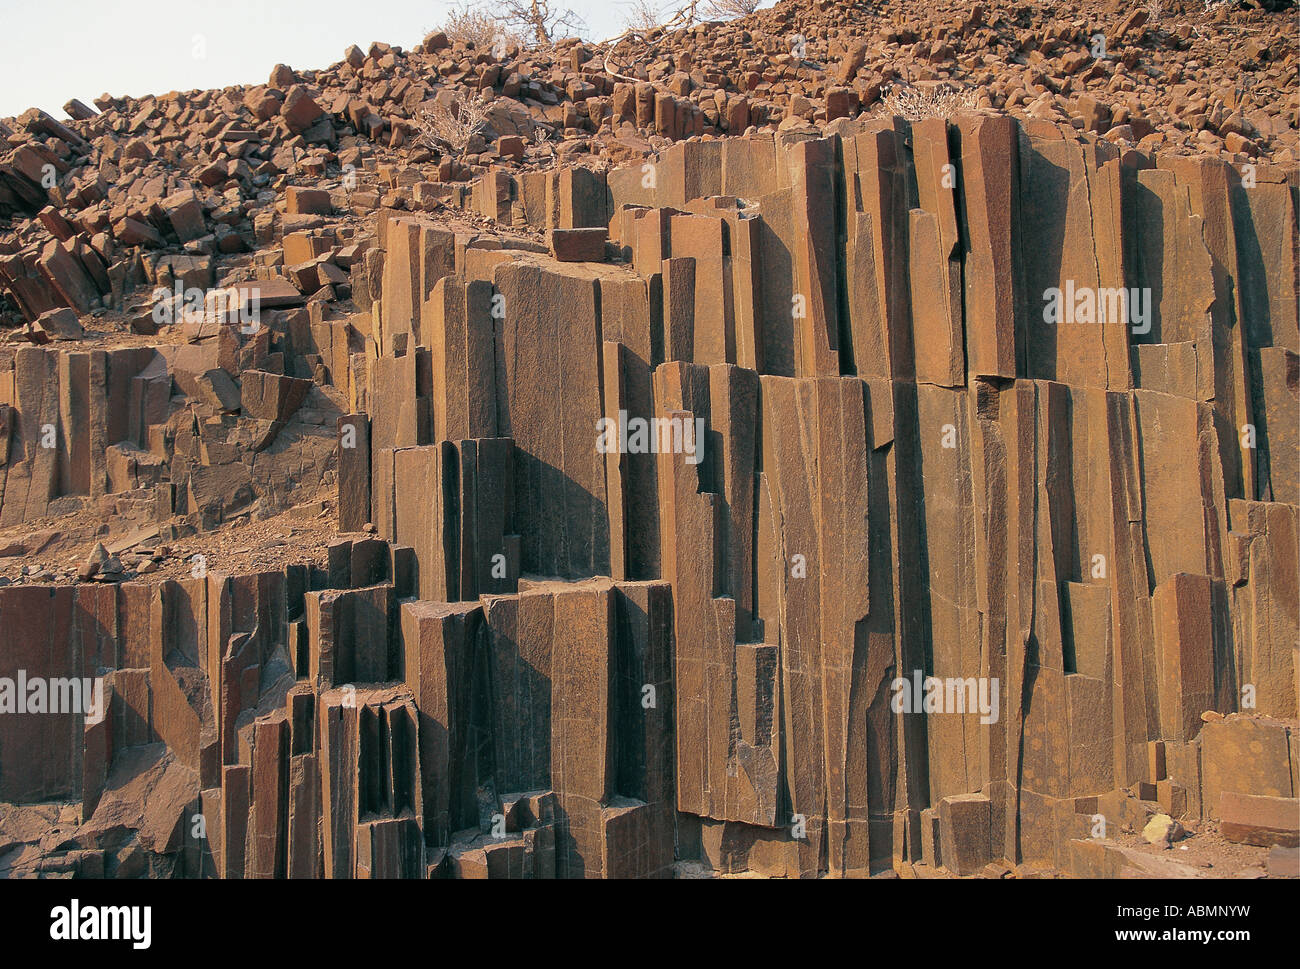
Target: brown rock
<point>307,201</point>
<point>852,62</point>
<point>1258,820</point>
<point>578,245</point>
<point>299,110</point>
<point>59,324</point>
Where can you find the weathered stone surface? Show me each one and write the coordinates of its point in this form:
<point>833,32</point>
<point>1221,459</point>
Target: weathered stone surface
<point>1259,820</point>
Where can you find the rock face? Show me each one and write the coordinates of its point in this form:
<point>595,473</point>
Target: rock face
<point>889,495</point>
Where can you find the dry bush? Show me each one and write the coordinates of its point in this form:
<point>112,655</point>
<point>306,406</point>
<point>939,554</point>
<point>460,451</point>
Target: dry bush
<point>730,9</point>
<point>918,105</point>
<point>444,125</point>
<point>471,24</point>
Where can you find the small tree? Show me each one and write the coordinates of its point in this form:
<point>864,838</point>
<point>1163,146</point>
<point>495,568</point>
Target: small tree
<point>540,20</point>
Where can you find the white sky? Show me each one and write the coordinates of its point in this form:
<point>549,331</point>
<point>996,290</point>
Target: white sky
<point>56,50</point>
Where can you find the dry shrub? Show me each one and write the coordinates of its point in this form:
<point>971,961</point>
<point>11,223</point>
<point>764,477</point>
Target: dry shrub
<point>730,9</point>
<point>469,24</point>
<point>451,125</point>
<point>915,104</point>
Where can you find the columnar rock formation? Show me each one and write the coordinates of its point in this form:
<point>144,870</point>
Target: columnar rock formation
<point>562,657</point>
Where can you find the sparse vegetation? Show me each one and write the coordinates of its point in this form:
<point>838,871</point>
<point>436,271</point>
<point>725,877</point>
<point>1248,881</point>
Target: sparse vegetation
<point>730,9</point>
<point>513,23</point>
<point>540,22</point>
<point>915,104</point>
<point>643,16</point>
<point>451,124</point>
<point>472,24</point>
<point>643,19</point>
